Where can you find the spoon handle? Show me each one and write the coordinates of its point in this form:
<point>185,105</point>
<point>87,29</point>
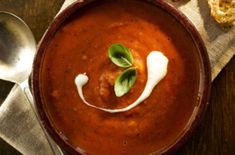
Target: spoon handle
<point>28,95</point>
<point>28,137</point>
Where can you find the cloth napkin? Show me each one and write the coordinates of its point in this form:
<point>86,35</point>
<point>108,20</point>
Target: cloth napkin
<point>220,43</point>
<point>20,127</point>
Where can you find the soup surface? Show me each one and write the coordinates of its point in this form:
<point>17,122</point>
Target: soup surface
<point>81,45</point>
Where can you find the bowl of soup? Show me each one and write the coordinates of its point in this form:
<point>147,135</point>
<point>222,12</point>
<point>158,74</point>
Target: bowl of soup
<point>121,77</point>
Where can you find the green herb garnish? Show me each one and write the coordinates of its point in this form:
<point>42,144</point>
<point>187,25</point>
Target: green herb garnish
<point>122,57</point>
<point>125,81</point>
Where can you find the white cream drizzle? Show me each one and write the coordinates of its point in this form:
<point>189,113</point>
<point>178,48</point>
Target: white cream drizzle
<point>157,69</point>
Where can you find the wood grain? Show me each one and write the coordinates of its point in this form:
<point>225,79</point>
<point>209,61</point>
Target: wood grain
<point>36,13</point>
<point>216,133</point>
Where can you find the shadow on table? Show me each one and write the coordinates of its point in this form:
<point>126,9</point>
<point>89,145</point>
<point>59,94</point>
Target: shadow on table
<point>5,88</point>
<point>5,148</point>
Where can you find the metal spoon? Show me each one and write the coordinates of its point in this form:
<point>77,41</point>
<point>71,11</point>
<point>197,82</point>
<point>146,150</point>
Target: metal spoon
<point>17,49</point>
<point>17,46</point>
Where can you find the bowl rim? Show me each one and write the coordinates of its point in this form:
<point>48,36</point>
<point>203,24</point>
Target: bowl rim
<point>205,80</point>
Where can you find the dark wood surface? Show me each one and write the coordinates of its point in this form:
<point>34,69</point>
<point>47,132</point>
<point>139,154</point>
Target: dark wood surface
<point>216,133</point>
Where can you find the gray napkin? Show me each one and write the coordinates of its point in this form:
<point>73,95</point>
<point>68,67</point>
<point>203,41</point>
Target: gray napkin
<point>220,43</point>
<point>19,126</point>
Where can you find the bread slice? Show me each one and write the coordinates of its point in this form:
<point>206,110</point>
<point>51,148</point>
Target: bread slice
<point>223,11</point>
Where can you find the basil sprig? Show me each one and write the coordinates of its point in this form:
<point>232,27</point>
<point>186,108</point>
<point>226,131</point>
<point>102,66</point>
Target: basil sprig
<point>122,57</point>
<point>125,81</point>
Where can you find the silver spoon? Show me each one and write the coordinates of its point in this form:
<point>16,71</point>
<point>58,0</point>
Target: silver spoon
<point>17,46</point>
<point>17,49</point>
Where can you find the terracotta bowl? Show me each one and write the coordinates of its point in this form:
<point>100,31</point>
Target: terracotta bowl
<point>205,80</point>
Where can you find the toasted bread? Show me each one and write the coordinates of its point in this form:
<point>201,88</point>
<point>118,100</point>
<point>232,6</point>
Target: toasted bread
<point>223,11</point>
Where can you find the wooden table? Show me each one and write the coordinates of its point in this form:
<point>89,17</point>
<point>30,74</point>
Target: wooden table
<point>216,133</point>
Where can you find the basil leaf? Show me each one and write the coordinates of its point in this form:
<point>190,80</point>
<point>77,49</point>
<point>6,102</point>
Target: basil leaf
<point>125,81</point>
<point>120,55</point>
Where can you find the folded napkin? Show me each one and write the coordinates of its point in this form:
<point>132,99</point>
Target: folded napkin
<point>220,43</point>
<point>20,127</point>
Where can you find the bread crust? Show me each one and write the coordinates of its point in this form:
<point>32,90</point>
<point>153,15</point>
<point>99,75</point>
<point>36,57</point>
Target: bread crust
<point>223,11</point>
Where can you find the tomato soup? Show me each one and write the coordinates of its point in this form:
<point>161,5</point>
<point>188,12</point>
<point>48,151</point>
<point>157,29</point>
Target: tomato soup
<point>81,46</point>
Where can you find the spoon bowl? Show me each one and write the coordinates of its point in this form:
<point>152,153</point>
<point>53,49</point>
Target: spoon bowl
<point>17,48</point>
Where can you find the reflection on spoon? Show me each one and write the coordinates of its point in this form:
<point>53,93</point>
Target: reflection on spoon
<point>157,69</point>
